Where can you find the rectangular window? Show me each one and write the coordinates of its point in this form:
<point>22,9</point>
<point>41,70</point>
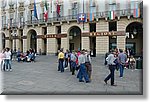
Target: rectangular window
<point>74,9</point>
<point>92,27</point>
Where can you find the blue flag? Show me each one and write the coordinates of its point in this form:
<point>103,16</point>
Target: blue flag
<point>35,12</point>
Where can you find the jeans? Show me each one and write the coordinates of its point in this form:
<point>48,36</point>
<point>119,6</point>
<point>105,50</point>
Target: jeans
<point>111,75</point>
<point>61,65</point>
<point>66,62</point>
<point>83,73</point>
<point>121,67</point>
<point>7,64</point>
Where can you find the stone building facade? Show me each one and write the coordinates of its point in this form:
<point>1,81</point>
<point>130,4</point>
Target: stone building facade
<point>99,35</point>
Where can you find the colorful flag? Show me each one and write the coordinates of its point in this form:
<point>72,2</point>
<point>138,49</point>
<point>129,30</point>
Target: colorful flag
<point>35,11</point>
<point>91,15</point>
<point>58,9</point>
<point>82,17</point>
<point>46,11</point>
<point>136,11</point>
<point>111,15</point>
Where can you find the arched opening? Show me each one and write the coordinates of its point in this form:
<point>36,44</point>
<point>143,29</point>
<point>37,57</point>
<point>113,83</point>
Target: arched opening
<point>32,40</point>
<point>134,38</point>
<point>74,38</point>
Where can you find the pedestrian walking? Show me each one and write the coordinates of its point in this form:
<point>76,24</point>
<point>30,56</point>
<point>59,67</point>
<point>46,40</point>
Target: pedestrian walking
<point>61,60</point>
<point>82,71</point>
<point>122,61</point>
<point>112,66</point>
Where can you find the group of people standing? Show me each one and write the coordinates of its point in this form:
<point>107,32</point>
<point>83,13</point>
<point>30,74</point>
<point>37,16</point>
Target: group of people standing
<point>117,59</point>
<point>5,59</point>
<point>79,61</point>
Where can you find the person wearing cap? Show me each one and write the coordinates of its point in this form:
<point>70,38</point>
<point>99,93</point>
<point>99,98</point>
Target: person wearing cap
<point>112,65</point>
<point>61,60</point>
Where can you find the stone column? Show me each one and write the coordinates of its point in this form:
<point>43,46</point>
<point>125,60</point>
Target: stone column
<point>51,42</point>
<point>102,44</point>
<point>39,45</point>
<point>1,46</point>
<point>40,40</point>
<point>7,43</point>
<point>85,43</point>
<point>25,45</point>
<point>121,42</point>
<point>65,43</point>
<point>51,45</point>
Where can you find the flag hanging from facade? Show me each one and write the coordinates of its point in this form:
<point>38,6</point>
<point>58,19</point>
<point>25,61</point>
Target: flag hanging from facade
<point>111,15</point>
<point>35,11</point>
<point>58,9</point>
<point>91,15</point>
<point>136,11</point>
<point>46,11</point>
<point>82,17</point>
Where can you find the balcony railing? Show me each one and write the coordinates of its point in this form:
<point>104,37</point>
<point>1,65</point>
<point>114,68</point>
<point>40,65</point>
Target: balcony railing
<point>105,14</point>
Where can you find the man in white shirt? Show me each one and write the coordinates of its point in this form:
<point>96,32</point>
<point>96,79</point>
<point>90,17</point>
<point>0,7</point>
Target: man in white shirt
<point>8,59</point>
<point>82,71</point>
<point>111,63</point>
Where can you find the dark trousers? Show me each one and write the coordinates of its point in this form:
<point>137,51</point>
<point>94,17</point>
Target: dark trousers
<point>70,65</point>
<point>83,73</point>
<point>66,62</point>
<point>73,66</point>
<point>60,66</point>
<point>111,75</point>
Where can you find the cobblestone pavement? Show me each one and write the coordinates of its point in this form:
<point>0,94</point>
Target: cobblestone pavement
<point>42,77</point>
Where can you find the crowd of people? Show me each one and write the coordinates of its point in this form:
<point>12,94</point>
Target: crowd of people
<point>118,60</point>
<point>29,56</point>
<point>7,55</point>
<point>77,61</point>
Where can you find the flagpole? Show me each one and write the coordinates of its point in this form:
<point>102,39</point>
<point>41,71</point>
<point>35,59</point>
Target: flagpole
<point>83,13</point>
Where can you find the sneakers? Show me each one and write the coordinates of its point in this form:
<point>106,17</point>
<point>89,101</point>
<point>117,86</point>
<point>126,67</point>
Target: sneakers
<point>10,70</point>
<point>105,81</point>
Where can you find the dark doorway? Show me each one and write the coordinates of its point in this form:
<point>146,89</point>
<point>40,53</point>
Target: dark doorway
<point>75,38</point>
<point>33,40</point>
<point>134,38</point>
<point>93,46</point>
<point>3,40</point>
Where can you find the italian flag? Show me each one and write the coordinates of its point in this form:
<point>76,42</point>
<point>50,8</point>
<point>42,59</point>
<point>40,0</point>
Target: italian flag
<point>46,11</point>
<point>112,15</point>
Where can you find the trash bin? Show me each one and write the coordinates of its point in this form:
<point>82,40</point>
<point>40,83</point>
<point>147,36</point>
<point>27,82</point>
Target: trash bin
<point>139,63</point>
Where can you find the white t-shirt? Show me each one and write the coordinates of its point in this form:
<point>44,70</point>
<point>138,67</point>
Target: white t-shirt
<point>8,55</point>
